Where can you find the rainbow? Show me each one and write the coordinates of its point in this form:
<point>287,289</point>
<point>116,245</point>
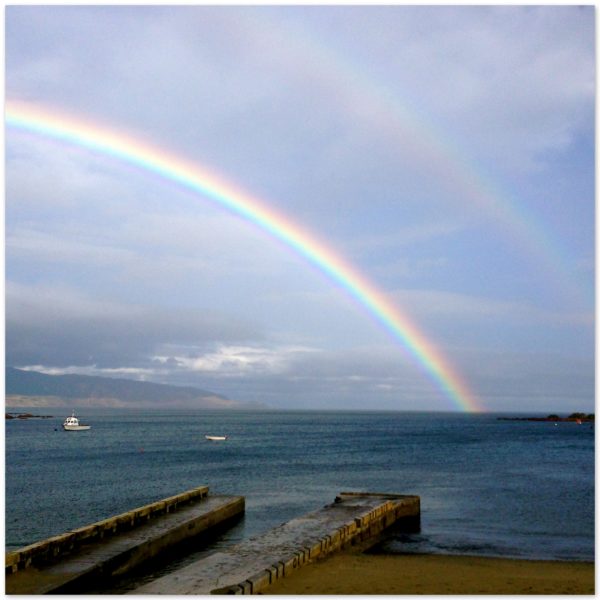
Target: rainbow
<point>401,117</point>
<point>43,121</point>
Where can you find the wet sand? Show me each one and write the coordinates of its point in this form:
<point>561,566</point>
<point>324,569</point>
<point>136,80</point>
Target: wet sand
<point>435,574</point>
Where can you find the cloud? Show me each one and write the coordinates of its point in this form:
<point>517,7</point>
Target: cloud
<point>395,134</point>
<point>61,331</point>
<point>45,247</point>
<point>469,327</point>
<point>236,361</point>
<point>305,377</point>
<point>515,82</point>
<point>512,80</point>
<point>439,304</point>
<point>62,327</point>
<point>541,382</point>
<point>139,374</point>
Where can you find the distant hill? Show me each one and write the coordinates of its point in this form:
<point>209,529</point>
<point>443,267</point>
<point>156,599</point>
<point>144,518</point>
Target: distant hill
<point>31,388</point>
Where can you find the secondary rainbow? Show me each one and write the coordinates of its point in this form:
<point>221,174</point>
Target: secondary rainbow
<point>389,109</point>
<point>51,124</point>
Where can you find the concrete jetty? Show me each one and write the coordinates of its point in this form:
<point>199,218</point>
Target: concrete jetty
<point>68,562</point>
<point>353,521</point>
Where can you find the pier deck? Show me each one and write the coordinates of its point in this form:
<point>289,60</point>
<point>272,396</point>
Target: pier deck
<point>114,546</point>
<point>353,520</point>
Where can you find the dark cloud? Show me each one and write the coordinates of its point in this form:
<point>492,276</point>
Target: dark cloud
<point>60,328</point>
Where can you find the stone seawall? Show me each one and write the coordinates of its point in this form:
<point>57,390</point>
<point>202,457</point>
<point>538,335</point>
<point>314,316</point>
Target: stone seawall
<point>49,549</point>
<point>354,521</point>
<point>71,562</point>
<point>76,561</point>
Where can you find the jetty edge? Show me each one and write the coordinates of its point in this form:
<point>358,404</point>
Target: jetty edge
<point>355,521</point>
<point>69,562</point>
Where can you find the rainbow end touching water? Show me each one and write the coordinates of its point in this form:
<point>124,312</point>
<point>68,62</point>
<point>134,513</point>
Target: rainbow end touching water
<point>43,121</point>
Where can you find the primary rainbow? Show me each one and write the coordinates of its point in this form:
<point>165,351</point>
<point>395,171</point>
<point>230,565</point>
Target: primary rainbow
<point>46,122</point>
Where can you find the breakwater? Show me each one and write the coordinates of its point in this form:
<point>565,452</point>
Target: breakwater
<point>75,561</point>
<point>114,546</point>
<point>354,521</point>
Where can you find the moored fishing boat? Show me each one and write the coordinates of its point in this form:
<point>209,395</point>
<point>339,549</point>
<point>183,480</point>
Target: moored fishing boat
<point>72,424</point>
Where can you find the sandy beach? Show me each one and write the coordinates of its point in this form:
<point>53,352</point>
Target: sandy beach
<point>434,574</point>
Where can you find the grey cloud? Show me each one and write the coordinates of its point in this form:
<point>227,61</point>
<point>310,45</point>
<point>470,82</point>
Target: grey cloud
<point>542,382</point>
<point>373,378</point>
<point>466,307</point>
<point>361,379</point>
<point>486,70</point>
<point>373,127</point>
<point>56,327</point>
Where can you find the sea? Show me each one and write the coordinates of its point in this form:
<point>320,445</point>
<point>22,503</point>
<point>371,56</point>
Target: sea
<point>488,487</point>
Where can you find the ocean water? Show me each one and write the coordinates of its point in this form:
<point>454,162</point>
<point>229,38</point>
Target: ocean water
<point>487,487</point>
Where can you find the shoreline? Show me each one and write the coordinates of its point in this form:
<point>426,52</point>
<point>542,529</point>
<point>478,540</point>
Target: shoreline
<point>431,574</point>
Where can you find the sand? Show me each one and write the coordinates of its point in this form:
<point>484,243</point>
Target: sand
<point>435,574</point>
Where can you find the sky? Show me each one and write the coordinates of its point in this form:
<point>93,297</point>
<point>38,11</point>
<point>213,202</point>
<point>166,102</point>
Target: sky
<point>444,154</point>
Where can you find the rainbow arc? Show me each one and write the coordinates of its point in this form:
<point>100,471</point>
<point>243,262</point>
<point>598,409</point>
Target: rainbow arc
<point>48,123</point>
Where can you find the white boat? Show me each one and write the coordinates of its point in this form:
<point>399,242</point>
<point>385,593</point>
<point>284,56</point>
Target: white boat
<point>72,424</point>
<point>215,438</point>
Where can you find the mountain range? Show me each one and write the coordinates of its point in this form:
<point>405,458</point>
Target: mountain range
<point>32,388</point>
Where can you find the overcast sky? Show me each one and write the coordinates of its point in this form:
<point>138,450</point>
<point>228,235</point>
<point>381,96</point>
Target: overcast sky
<point>446,153</point>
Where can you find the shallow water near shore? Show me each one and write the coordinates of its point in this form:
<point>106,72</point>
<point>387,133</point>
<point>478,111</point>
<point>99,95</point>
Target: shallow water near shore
<point>488,487</point>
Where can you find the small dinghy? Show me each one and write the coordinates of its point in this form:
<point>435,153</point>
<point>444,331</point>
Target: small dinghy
<point>216,438</point>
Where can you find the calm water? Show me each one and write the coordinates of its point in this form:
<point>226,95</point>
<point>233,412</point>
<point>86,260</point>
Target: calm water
<point>487,487</point>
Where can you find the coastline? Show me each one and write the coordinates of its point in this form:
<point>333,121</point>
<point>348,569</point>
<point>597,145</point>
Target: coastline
<point>402,574</point>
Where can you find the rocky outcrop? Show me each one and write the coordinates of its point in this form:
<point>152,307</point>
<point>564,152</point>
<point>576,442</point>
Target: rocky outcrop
<point>574,417</point>
<point>26,416</point>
